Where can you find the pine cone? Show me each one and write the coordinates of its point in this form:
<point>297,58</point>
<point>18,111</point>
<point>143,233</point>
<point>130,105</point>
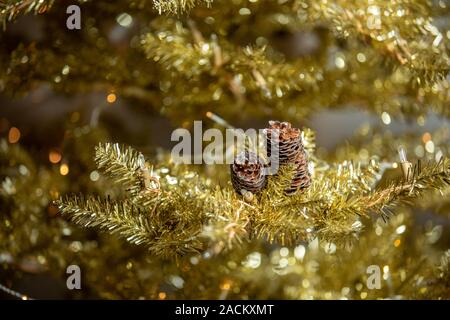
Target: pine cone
<point>301,179</point>
<point>288,143</point>
<point>247,173</point>
<point>290,151</point>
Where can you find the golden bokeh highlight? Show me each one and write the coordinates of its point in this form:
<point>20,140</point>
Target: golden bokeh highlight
<point>162,295</point>
<point>226,285</point>
<point>54,156</point>
<point>111,98</point>
<point>14,135</point>
<point>64,169</point>
<point>426,137</point>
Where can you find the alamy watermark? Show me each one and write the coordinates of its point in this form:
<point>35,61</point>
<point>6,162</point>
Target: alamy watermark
<point>74,279</point>
<point>374,278</point>
<point>73,22</point>
<point>222,148</point>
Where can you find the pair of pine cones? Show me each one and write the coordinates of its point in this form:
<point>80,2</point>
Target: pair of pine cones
<point>247,170</point>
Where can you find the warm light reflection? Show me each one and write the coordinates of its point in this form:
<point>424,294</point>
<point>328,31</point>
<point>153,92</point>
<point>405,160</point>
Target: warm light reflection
<point>13,135</point>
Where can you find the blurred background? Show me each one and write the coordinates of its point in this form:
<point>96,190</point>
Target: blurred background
<point>58,120</point>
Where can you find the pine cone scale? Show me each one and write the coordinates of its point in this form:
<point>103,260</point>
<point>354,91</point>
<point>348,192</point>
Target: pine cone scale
<point>247,173</point>
<point>281,138</point>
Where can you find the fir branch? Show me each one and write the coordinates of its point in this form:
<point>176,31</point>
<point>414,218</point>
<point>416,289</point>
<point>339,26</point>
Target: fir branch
<point>116,217</point>
<point>383,200</point>
<point>191,56</point>
<point>332,207</point>
<point>167,48</point>
<point>400,30</point>
<point>129,222</point>
<point>189,212</point>
<point>425,178</point>
<point>11,9</point>
<point>178,6</point>
<point>126,167</point>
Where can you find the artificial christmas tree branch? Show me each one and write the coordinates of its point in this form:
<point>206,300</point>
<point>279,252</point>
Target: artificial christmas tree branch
<point>245,67</point>
<point>269,77</point>
<point>181,218</point>
<point>11,9</point>
<point>396,30</point>
<point>247,267</point>
<point>178,6</point>
<point>310,232</point>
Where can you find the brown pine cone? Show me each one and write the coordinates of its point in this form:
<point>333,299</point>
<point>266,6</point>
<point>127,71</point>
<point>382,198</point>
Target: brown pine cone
<point>288,143</point>
<point>247,173</point>
<point>291,151</point>
<point>302,178</point>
